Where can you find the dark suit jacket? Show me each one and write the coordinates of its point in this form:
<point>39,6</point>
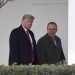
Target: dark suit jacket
<point>20,48</point>
<point>47,51</point>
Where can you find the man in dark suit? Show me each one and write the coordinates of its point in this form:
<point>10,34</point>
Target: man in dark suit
<point>49,47</point>
<point>22,43</point>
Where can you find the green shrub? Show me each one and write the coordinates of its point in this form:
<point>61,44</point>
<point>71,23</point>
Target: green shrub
<point>37,70</point>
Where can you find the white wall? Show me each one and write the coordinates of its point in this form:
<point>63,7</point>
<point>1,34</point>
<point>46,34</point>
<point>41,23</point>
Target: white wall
<point>44,12</point>
<point>71,35</point>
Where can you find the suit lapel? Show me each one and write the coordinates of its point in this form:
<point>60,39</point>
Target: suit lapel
<point>51,41</point>
<point>23,33</point>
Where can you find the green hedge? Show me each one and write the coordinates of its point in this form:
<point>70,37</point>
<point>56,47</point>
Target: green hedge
<point>37,70</point>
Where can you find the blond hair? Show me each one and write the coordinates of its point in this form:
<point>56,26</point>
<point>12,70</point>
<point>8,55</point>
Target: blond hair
<point>28,16</point>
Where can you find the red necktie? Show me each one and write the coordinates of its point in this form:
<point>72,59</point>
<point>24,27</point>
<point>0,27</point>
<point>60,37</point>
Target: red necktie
<point>28,34</point>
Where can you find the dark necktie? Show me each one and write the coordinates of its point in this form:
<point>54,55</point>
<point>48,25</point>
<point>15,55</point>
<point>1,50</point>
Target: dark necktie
<point>54,41</point>
<point>28,34</point>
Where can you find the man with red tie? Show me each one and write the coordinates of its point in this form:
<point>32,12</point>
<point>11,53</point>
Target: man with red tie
<point>22,43</point>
